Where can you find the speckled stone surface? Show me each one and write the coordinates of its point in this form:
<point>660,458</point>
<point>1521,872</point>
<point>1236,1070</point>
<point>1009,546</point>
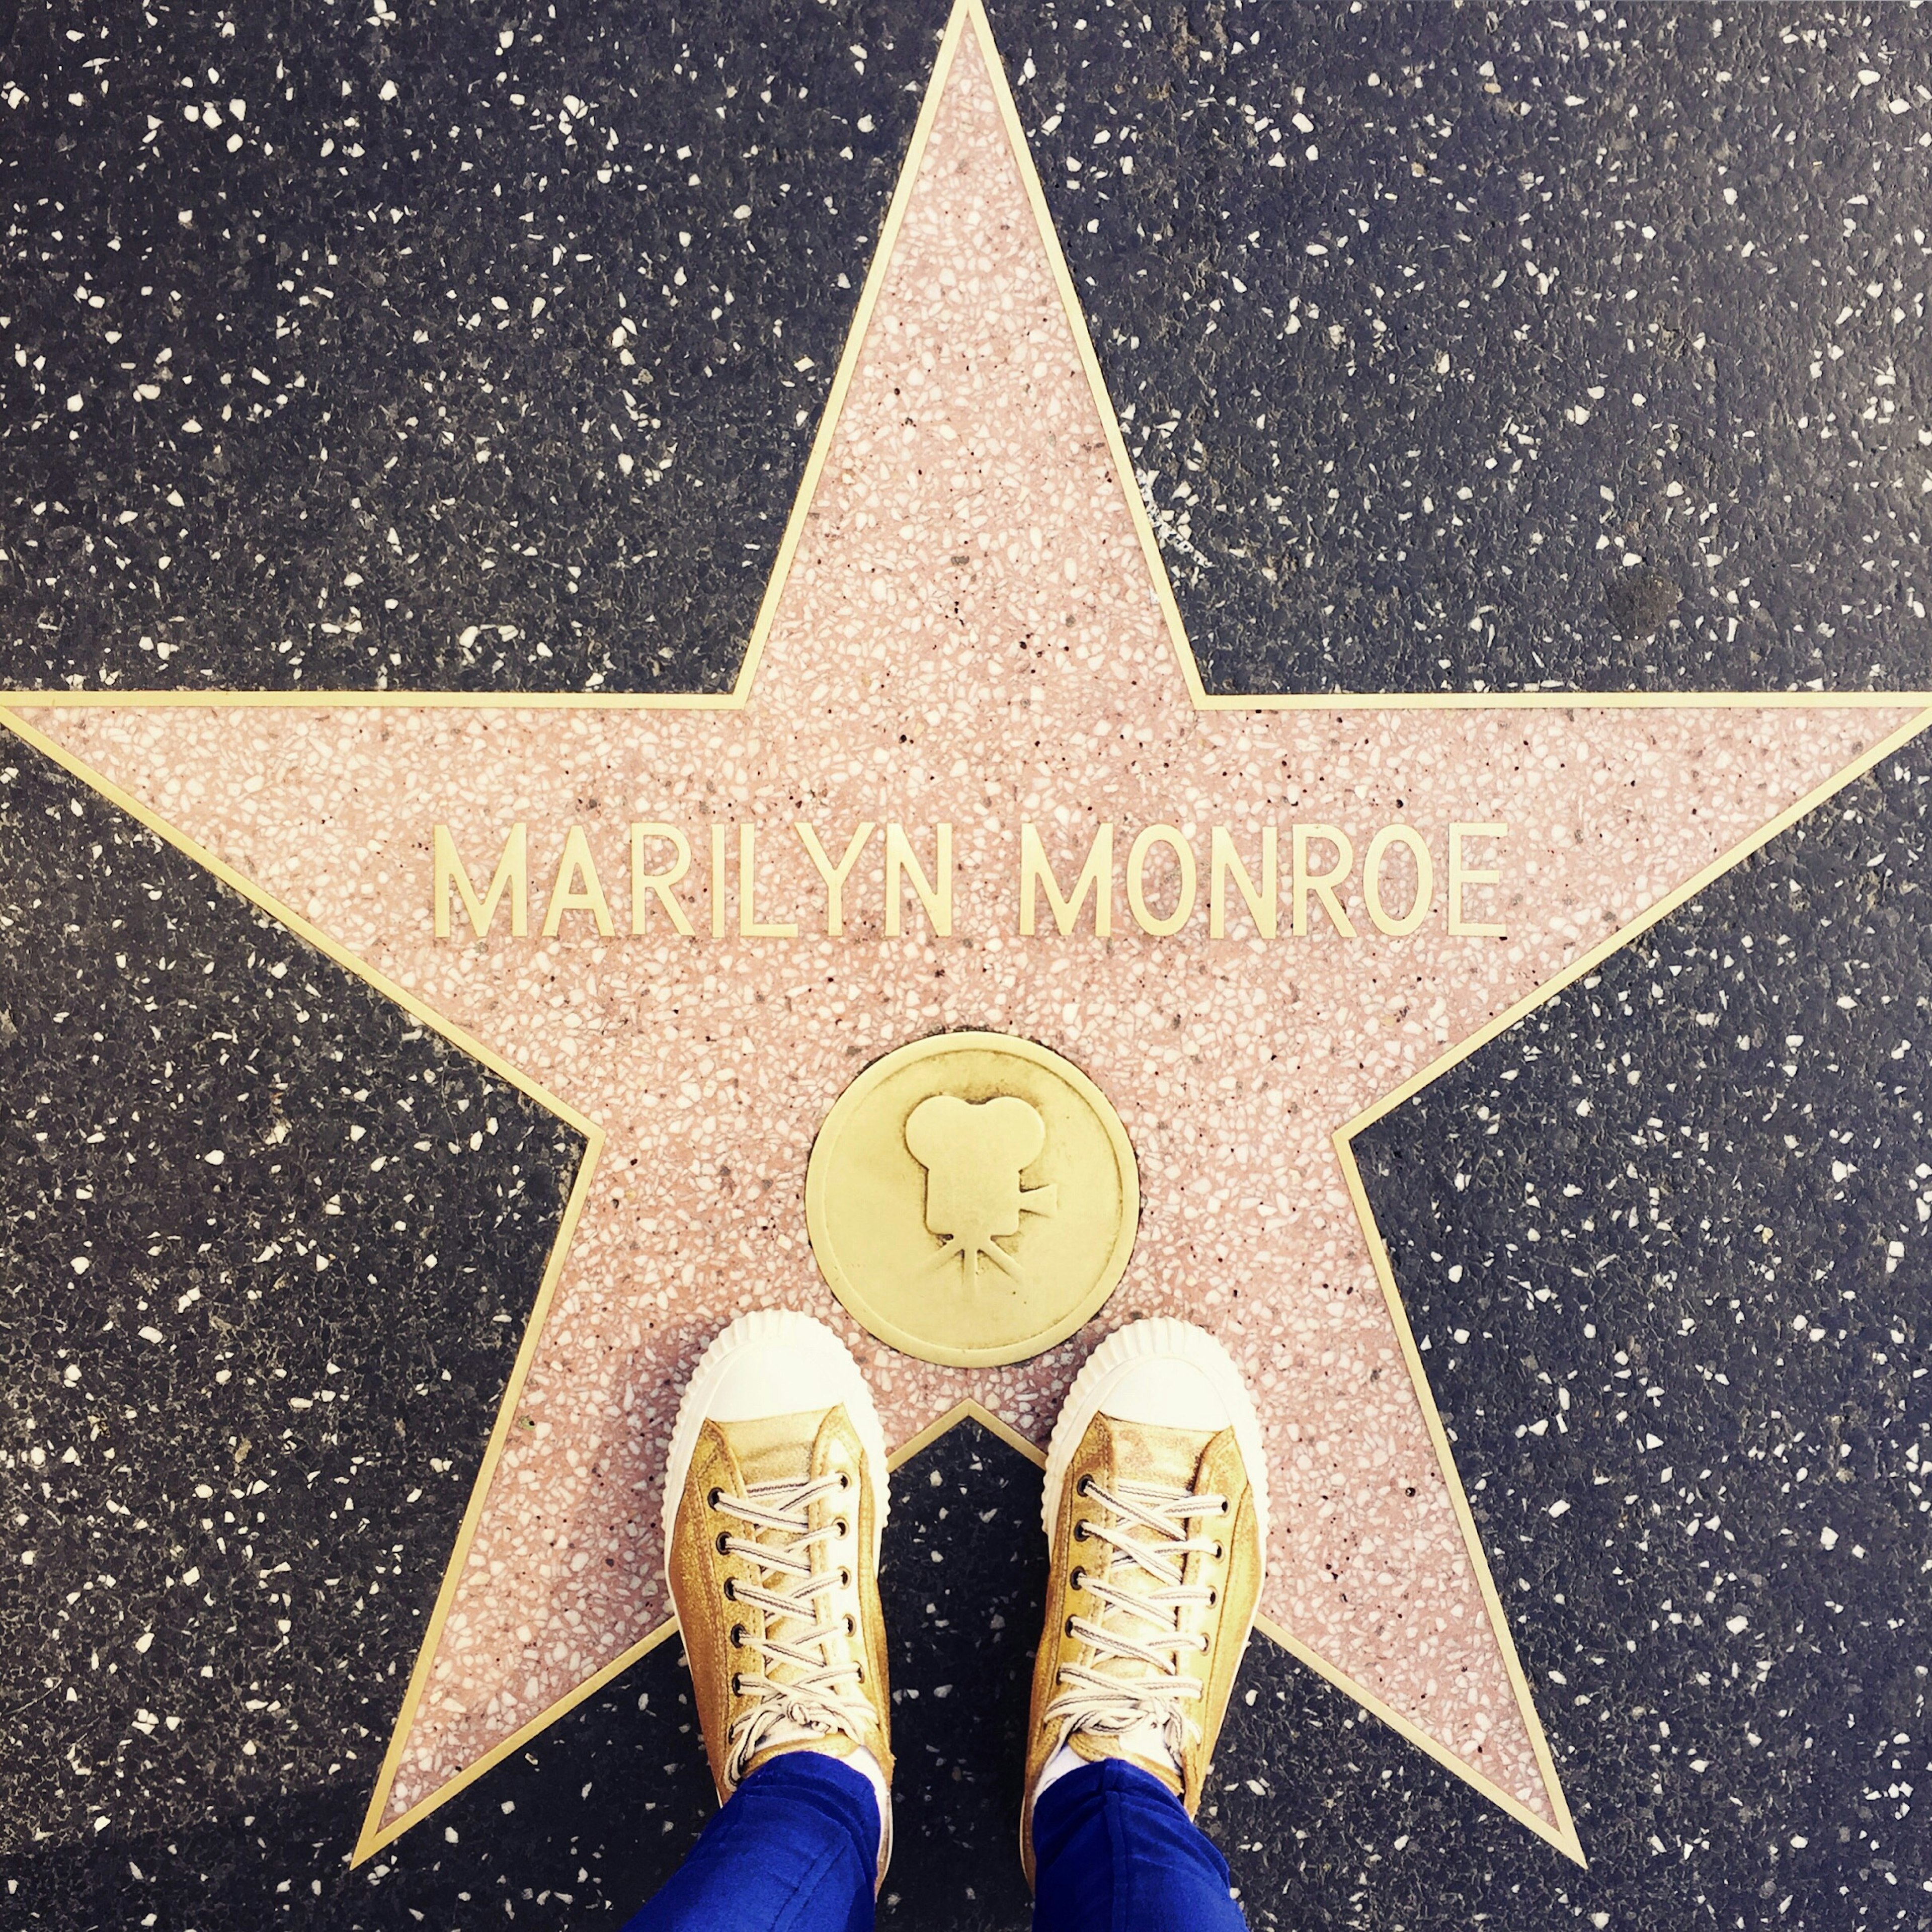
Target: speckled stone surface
<point>1727,1624</point>
<point>269,1251</point>
<point>1325,1817</point>
<point>1468,348</point>
<point>1717,318</point>
<point>424,349</point>
<point>969,635</point>
<point>1672,1292</point>
<point>582,1824</point>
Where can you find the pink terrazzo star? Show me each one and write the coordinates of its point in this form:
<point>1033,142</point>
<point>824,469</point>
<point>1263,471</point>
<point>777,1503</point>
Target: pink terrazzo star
<point>970,635</point>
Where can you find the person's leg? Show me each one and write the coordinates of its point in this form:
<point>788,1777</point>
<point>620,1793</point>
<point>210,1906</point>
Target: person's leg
<point>795,1849</point>
<point>774,1507</point>
<point>1115,1851</point>
<point>1155,1511</point>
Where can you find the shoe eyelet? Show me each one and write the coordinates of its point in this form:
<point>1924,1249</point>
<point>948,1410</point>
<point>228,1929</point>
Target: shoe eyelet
<point>1227,1507</point>
<point>1084,1487</point>
<point>737,1685</point>
<point>1213,1596</point>
<point>845,1480</point>
<point>858,1672</point>
<point>1220,1550</point>
<point>1077,1580</point>
<point>724,1543</point>
<point>737,1636</point>
<point>1067,1627</point>
<point>841,1528</point>
<point>1080,1530</point>
<point>851,1624</point>
<point>844,1579</point>
<point>711,1496</point>
<point>731,1589</point>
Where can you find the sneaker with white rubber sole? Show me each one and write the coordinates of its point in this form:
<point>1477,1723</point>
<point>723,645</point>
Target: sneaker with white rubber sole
<point>774,1506</point>
<point>1156,1507</point>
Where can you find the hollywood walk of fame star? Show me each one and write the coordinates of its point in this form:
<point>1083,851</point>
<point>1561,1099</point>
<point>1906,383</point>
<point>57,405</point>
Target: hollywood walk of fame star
<point>967,628</point>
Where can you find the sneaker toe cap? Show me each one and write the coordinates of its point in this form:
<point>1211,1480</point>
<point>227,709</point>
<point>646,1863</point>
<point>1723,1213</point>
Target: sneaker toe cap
<point>1167,1393</point>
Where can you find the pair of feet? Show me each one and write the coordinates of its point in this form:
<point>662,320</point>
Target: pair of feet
<point>1155,1510</point>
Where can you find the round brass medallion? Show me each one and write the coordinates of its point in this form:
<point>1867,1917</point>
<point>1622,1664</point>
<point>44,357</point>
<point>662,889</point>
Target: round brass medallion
<point>972,1198</point>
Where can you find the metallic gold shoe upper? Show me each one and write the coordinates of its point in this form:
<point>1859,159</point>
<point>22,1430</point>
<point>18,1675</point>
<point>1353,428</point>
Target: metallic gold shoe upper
<point>1157,1568</point>
<point>773,1569</point>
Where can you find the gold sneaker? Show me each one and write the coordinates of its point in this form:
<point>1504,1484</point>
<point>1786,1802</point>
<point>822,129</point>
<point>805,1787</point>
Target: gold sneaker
<point>1155,1506</point>
<point>774,1502</point>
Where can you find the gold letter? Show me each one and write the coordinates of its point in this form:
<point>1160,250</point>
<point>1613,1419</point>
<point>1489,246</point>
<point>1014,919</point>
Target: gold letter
<point>900,858</point>
<point>834,876</point>
<point>1264,907</point>
<point>717,882</point>
<point>565,897</point>
<point>660,882</point>
<point>748,927</point>
<point>1149,837</point>
<point>1096,876</point>
<point>512,870</point>
<point>1372,880</point>
<point>1461,875</point>
<point>1322,884</point>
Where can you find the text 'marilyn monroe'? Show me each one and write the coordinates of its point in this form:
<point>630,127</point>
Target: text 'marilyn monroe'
<point>775,882</point>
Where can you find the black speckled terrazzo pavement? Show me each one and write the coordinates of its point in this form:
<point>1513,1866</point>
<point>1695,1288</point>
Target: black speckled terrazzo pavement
<point>1437,331</point>
<point>1666,1245</point>
<point>1459,350</point>
<point>270,1249</point>
<point>438,349</point>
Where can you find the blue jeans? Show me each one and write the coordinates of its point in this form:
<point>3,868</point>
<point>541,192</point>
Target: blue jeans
<point>796,1849</point>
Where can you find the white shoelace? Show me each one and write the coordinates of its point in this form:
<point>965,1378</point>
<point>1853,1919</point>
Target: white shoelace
<point>806,1700</point>
<point>1134,1684</point>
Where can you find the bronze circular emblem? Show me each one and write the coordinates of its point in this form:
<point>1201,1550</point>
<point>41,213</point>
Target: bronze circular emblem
<point>972,1198</point>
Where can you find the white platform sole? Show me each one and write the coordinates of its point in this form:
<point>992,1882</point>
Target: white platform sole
<point>825,1375</point>
<point>1123,1353</point>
